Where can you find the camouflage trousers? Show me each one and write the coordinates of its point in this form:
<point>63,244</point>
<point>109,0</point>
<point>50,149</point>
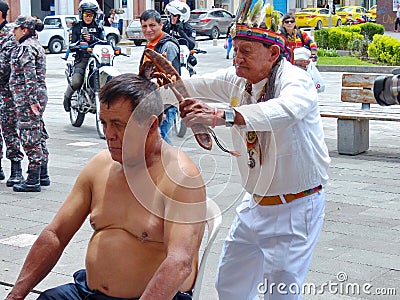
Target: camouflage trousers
<point>33,135</point>
<point>9,126</point>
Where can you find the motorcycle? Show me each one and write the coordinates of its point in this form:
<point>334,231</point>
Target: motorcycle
<point>98,71</point>
<point>360,20</point>
<point>188,61</point>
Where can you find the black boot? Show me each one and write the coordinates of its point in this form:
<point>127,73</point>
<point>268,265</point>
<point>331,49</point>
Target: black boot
<point>16,174</point>
<point>31,184</point>
<point>67,98</point>
<point>2,176</point>
<point>44,175</point>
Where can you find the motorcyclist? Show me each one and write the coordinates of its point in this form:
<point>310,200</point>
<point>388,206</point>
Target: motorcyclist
<point>177,26</point>
<point>86,30</point>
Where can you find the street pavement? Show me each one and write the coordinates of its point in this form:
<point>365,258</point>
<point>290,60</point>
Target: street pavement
<point>359,246</point>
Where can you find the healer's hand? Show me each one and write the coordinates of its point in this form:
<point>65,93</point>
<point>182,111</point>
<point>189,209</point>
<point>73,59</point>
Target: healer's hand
<point>195,111</point>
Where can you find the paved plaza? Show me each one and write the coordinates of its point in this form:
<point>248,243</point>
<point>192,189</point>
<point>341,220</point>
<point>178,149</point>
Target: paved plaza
<point>359,246</point>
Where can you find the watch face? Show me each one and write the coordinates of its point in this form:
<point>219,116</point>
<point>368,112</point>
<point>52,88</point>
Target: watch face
<point>229,117</point>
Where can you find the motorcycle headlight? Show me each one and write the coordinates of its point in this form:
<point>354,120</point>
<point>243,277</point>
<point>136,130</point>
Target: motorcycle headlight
<point>105,59</point>
<point>105,56</point>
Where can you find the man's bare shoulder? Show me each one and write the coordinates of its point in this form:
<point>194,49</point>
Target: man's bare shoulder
<point>97,164</point>
<point>182,180</point>
<point>177,161</point>
<point>183,188</point>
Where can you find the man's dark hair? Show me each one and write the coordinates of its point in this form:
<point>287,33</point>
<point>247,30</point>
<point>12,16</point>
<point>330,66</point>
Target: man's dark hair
<point>141,92</point>
<point>150,14</point>
<point>4,9</point>
<point>288,16</point>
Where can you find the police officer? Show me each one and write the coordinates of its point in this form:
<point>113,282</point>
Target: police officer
<point>8,113</point>
<point>177,26</point>
<point>86,30</point>
<point>28,86</point>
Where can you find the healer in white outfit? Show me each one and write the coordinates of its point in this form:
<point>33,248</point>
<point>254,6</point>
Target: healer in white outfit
<point>283,163</point>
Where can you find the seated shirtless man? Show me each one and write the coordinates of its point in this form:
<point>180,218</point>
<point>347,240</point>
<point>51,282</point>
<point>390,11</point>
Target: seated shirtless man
<point>146,201</point>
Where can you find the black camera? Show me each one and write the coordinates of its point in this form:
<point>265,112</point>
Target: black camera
<point>387,89</point>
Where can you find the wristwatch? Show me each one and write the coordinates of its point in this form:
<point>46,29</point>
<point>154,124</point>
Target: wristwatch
<point>229,117</point>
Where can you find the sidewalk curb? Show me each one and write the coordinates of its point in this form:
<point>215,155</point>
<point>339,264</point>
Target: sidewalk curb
<point>357,69</point>
<point>125,42</point>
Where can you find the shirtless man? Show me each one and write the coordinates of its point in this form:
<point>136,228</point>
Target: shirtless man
<point>143,245</point>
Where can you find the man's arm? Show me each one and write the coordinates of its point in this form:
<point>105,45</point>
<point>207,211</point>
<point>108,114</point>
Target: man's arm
<point>172,54</point>
<point>49,246</point>
<point>187,32</point>
<point>182,238</point>
<point>75,37</point>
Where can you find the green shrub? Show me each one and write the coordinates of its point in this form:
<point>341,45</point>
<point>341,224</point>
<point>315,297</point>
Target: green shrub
<point>370,29</point>
<point>357,39</point>
<point>385,49</point>
<point>321,38</point>
<point>352,28</point>
<point>327,52</point>
<point>358,46</point>
<point>340,39</point>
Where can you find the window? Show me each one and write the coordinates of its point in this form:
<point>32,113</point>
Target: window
<point>217,14</point>
<point>227,15</point>
<point>67,19</point>
<point>52,21</point>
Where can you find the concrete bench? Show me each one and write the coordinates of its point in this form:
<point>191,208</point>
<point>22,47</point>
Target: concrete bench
<point>353,123</point>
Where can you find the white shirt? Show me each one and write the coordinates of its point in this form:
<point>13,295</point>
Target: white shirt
<point>116,18</point>
<point>289,129</point>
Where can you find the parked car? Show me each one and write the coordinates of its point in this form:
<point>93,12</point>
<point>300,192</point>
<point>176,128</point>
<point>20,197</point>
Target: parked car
<point>352,12</point>
<point>164,18</point>
<point>372,11</point>
<point>211,22</point>
<point>54,36</point>
<point>134,32</point>
<point>316,17</point>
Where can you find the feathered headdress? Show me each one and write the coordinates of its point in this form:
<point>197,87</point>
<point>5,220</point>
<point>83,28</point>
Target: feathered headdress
<point>257,20</point>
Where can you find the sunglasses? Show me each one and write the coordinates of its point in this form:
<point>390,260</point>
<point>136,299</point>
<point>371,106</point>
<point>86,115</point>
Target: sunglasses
<point>289,21</point>
<point>172,15</point>
<point>85,14</point>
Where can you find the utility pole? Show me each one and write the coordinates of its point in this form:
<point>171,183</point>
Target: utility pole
<point>330,3</point>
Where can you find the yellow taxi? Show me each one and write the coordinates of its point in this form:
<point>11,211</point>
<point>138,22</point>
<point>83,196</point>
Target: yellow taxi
<point>372,11</point>
<point>316,17</point>
<point>352,12</point>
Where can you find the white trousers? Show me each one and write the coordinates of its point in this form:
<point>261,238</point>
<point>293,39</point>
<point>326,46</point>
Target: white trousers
<point>268,249</point>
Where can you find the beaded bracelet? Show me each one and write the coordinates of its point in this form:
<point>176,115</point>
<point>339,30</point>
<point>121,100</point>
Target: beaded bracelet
<point>215,118</point>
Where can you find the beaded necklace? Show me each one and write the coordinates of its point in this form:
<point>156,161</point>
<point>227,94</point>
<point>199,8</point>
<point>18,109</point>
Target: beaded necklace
<point>267,93</point>
<point>251,136</point>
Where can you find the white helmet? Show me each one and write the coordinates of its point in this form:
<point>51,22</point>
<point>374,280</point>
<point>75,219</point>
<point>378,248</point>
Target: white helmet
<point>177,7</point>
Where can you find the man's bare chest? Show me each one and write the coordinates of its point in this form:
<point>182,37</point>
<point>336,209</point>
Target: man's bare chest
<point>115,206</point>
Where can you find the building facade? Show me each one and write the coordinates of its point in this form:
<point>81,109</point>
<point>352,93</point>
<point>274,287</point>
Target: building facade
<point>133,8</point>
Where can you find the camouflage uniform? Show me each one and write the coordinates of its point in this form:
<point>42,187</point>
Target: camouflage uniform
<point>27,84</point>
<point>8,113</point>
